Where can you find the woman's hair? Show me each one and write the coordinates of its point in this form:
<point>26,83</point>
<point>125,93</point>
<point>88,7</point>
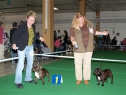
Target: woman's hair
<point>31,13</point>
<point>75,23</point>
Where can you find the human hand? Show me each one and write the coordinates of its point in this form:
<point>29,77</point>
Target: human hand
<point>74,42</point>
<point>14,46</point>
<point>105,32</point>
<point>41,39</point>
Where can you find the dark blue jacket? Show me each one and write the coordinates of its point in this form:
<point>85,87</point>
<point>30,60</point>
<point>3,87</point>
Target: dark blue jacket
<point>20,36</point>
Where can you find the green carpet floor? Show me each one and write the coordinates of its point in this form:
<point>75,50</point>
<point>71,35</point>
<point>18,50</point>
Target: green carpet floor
<point>117,55</point>
<point>65,67</point>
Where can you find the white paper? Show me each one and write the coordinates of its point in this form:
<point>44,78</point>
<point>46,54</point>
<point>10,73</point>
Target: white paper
<point>91,30</point>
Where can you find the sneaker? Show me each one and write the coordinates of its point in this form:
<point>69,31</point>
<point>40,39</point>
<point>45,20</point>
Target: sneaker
<point>19,85</point>
<point>31,81</point>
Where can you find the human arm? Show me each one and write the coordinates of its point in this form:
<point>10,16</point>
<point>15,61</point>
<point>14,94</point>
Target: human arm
<point>73,40</point>
<point>37,37</point>
<point>72,36</point>
<point>101,33</point>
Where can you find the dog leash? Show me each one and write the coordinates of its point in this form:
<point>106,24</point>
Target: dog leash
<point>103,51</point>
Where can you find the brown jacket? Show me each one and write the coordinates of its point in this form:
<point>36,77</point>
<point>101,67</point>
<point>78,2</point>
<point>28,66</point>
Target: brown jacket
<point>78,39</point>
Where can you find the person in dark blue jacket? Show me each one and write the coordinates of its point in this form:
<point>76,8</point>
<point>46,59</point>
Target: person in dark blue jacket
<point>23,39</point>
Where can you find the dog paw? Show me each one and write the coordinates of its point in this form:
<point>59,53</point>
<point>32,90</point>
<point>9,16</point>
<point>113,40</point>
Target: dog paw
<point>102,85</point>
<point>36,83</point>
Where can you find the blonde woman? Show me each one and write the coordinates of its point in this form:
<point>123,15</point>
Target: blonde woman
<point>23,39</point>
<point>81,34</point>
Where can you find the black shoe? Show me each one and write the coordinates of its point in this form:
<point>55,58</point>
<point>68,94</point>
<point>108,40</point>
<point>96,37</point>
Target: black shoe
<point>31,81</point>
<point>19,85</point>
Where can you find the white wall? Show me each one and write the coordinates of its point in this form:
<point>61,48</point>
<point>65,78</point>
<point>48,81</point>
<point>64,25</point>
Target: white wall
<point>8,20</point>
<point>62,21</point>
<point>115,22</point>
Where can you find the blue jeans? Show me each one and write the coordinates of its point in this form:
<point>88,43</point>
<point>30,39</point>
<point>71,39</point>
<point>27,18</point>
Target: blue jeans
<point>28,51</point>
<point>13,54</point>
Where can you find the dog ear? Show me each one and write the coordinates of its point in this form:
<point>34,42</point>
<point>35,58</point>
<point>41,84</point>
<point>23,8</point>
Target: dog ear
<point>40,67</point>
<point>33,65</point>
<point>100,69</point>
<point>33,69</point>
<point>37,67</point>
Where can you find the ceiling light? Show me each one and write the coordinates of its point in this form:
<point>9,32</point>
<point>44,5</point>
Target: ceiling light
<point>56,8</point>
<point>0,12</point>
